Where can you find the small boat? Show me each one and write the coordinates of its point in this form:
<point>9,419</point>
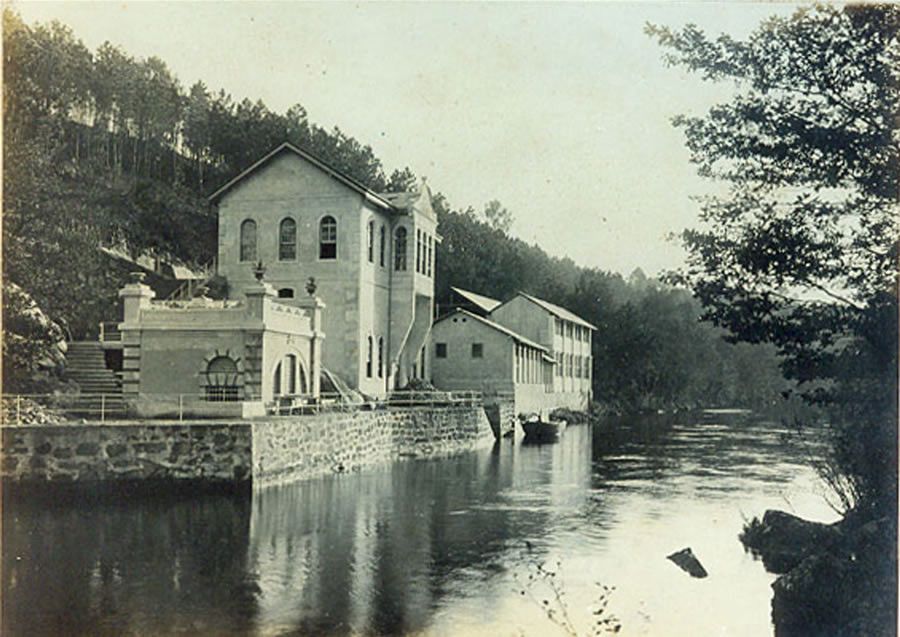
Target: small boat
<point>542,430</point>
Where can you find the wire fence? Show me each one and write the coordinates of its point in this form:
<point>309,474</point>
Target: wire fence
<point>62,408</point>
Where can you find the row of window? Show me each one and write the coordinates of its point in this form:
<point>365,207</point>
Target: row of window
<point>424,252</point>
<point>289,378</point>
<point>529,367</point>
<point>440,350</point>
<point>571,330</point>
<point>328,241</point>
<point>574,366</point>
<point>528,362</point>
<point>370,347</point>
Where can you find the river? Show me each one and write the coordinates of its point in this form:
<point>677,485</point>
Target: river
<point>444,547</point>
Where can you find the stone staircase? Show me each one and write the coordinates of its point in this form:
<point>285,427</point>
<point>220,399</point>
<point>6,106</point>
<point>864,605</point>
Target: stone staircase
<point>101,390</point>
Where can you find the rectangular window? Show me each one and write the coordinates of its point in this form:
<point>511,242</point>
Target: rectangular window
<point>381,240</point>
<point>370,241</point>
<point>429,254</point>
<point>477,350</point>
<point>440,350</point>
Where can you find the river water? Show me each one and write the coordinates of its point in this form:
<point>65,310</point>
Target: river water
<point>458,546</point>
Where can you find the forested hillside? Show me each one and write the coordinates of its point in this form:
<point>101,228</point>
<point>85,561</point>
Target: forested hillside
<point>101,148</point>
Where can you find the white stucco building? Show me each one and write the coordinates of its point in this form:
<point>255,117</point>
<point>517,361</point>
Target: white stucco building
<point>534,350</point>
<point>371,256</point>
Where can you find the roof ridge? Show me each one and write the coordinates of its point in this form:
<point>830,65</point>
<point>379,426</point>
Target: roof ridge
<point>321,164</point>
<point>497,326</point>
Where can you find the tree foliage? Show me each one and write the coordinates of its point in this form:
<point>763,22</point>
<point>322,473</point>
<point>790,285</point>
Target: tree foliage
<point>802,252</point>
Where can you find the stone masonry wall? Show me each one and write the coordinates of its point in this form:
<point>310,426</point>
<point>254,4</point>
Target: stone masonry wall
<point>84,453</point>
<point>287,449</point>
<point>502,416</point>
<point>267,452</point>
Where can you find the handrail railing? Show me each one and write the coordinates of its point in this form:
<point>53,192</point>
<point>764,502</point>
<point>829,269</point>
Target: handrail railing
<point>51,409</point>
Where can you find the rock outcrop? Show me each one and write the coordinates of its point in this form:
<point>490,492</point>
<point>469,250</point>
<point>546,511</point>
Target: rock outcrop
<point>836,579</point>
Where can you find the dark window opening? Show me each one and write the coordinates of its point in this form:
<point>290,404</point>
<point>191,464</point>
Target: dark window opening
<point>248,240</point>
<point>400,249</point>
<point>328,238</point>
<point>287,240</point>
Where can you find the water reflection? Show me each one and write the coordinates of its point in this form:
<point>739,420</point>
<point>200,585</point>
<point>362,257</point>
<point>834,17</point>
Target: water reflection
<point>421,546</point>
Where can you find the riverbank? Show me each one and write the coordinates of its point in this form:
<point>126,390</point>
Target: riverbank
<point>834,579</point>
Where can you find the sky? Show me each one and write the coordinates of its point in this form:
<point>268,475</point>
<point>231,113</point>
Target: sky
<point>561,111</point>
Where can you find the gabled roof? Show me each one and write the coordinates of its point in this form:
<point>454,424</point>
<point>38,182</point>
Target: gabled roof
<point>350,182</point>
<point>486,303</point>
<point>559,312</point>
<point>505,330</point>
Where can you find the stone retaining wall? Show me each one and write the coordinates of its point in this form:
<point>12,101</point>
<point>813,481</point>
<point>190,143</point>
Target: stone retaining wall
<point>266,452</point>
<point>83,453</point>
<point>502,416</point>
<point>289,449</point>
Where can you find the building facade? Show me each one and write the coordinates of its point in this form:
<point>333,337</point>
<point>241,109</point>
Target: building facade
<point>371,257</point>
<point>536,351</point>
<point>207,357</point>
<point>474,353</point>
<point>566,336</point>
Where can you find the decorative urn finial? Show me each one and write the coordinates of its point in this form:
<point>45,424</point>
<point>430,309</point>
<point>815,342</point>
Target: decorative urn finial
<point>311,286</point>
<point>259,271</point>
<point>137,277</point>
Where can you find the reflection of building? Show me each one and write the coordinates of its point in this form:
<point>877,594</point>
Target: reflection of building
<point>207,356</point>
<point>372,257</point>
<point>534,349</point>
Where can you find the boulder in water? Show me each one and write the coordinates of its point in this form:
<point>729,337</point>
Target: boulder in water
<point>688,562</point>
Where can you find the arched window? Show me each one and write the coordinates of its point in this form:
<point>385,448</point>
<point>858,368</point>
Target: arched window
<point>328,238</point>
<point>381,246</point>
<point>248,240</point>
<point>222,379</point>
<point>370,241</point>
<point>302,377</point>
<point>286,293</point>
<point>400,249</point>
<point>369,358</point>
<point>287,240</point>
<point>276,381</point>
<point>380,357</point>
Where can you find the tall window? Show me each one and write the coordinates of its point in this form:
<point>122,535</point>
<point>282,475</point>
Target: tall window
<point>290,363</point>
<point>369,357</point>
<point>287,240</point>
<point>276,381</point>
<point>418,250</point>
<point>429,254</point>
<point>380,357</point>
<point>370,241</point>
<point>440,350</point>
<point>381,246</point>
<point>400,249</point>
<point>248,240</point>
<point>328,238</point>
